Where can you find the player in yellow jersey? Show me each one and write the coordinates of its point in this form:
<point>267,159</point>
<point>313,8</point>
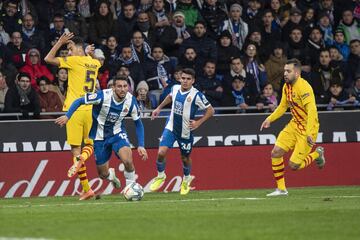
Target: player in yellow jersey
<point>82,72</point>
<point>301,132</point>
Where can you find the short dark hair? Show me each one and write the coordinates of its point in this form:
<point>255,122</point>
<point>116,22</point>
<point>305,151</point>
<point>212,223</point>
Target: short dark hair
<point>43,78</point>
<point>23,74</point>
<point>189,71</point>
<point>234,58</point>
<point>78,41</point>
<point>120,78</point>
<point>354,41</point>
<point>295,62</point>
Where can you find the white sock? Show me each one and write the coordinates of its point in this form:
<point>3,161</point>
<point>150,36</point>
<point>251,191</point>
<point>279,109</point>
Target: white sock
<point>111,175</point>
<point>187,178</point>
<point>161,174</point>
<point>129,177</point>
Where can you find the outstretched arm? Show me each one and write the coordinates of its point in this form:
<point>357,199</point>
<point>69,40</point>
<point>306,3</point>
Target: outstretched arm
<point>65,118</point>
<point>51,56</point>
<point>140,135</point>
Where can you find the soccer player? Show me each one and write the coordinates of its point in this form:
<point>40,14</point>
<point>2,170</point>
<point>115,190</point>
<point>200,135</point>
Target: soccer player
<point>185,101</point>
<point>301,132</point>
<point>111,106</point>
<point>82,72</point>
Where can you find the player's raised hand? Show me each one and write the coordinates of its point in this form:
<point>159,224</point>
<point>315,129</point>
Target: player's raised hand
<point>265,124</point>
<point>61,121</point>
<point>310,141</point>
<point>155,114</point>
<point>89,50</point>
<point>194,124</point>
<point>143,153</point>
<point>65,37</point>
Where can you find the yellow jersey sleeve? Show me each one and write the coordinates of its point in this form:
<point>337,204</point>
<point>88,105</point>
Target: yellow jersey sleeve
<point>308,101</point>
<point>281,109</point>
<point>67,62</point>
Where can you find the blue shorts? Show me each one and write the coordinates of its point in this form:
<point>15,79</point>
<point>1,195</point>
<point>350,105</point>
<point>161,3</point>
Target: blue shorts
<point>168,138</point>
<point>104,148</point>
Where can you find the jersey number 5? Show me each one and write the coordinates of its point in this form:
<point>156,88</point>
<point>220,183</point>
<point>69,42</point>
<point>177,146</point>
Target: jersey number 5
<point>89,79</point>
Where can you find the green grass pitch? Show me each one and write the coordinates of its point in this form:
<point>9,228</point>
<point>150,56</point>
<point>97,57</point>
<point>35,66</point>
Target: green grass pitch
<point>307,213</point>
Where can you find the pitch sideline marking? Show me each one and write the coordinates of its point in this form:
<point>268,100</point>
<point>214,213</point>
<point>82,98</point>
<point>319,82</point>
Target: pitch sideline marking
<point>25,238</point>
<point>128,202</point>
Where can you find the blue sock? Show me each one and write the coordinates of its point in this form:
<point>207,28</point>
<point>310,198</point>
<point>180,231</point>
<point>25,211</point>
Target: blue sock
<point>160,166</point>
<point>187,170</point>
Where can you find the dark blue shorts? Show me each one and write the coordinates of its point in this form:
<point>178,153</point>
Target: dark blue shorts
<point>104,148</point>
<point>168,138</point>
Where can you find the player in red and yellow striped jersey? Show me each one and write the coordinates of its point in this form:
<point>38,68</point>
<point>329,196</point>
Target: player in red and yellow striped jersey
<point>301,132</point>
<point>82,72</point>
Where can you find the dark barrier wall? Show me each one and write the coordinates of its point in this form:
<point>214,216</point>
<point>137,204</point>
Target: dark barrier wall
<point>231,130</point>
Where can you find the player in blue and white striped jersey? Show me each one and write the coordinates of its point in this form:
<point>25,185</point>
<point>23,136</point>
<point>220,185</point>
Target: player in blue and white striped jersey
<point>186,100</point>
<point>110,108</point>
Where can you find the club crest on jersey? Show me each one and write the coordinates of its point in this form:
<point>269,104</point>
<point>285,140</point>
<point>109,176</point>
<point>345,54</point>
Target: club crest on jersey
<point>188,99</point>
<point>92,96</point>
<point>305,95</point>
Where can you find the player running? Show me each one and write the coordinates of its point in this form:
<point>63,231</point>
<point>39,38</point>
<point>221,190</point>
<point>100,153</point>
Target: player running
<point>185,101</point>
<point>82,71</point>
<point>301,132</point>
<point>111,106</point>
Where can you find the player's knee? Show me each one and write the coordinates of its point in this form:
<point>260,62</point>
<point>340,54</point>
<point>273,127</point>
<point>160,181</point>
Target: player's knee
<point>294,166</point>
<point>103,174</point>
<point>161,154</point>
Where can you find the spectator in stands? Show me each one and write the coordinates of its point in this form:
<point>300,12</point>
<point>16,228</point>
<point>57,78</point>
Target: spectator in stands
<point>297,49</point>
<point>236,26</point>
<point>326,28</point>
<point>11,17</point>
<point>210,84</point>
<point>143,25</point>
<point>174,35</point>
<point>126,23</point>
<point>3,90</point>
<point>354,91</point>
<point>354,58</point>
<point>252,14</point>
<point>60,83</point>
<point>102,25</point>
<point>323,75</point>
<point>294,22</point>
<point>22,98</point>
<point>16,50</point>
<point>192,14</point>
<point>49,100</point>
<point>255,37</point>
<point>269,34</point>
<point>139,48</point>
<point>157,71</point>
<point>213,16</point>
<point>281,16</point>
<point>126,59</point>
<point>204,45</point>
<point>275,67</point>
<point>112,55</point>
<point>74,21</point>
<point>35,68</point>
<point>309,20</point>
<point>339,42</point>
<point>57,29</point>
<point>190,60</point>
<point>267,98</point>
<point>47,10</point>
<point>31,34</point>
<point>174,80</point>
<point>145,100</point>
<point>125,72</point>
<point>159,17</point>
<point>104,73</point>
<point>315,43</point>
<point>350,26</point>
<point>236,69</point>
<point>327,7</point>
<point>237,96</point>
<point>4,36</point>
<point>256,71</point>
<point>336,96</point>
<point>225,52</point>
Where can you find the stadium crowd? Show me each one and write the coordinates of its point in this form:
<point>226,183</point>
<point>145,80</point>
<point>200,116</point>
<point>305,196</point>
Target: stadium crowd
<point>238,49</point>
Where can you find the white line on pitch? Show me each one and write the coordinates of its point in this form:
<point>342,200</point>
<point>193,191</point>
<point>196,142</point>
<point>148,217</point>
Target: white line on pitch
<point>25,238</point>
<point>126,202</point>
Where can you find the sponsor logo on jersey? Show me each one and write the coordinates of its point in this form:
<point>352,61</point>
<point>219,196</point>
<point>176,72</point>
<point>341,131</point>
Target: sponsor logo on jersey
<point>92,96</point>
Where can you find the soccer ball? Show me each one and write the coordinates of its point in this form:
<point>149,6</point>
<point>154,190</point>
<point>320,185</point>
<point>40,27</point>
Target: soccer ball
<point>133,192</point>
